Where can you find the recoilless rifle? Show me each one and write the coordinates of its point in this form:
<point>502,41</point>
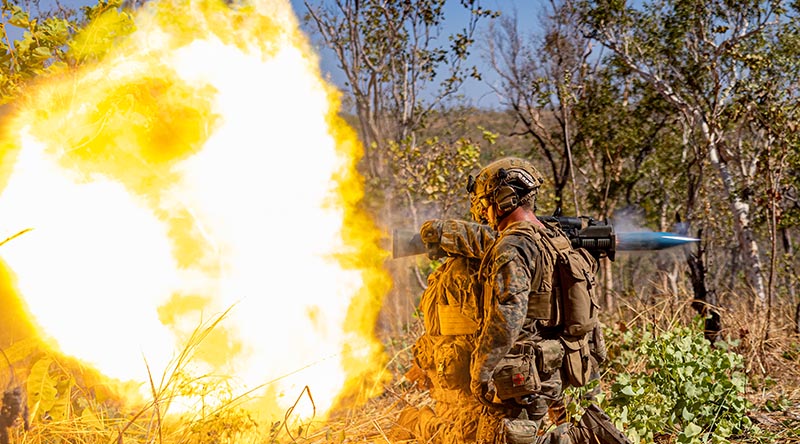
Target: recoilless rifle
<point>598,237</point>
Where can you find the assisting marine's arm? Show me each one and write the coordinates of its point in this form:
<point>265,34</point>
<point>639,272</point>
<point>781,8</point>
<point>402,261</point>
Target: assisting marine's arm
<point>457,237</point>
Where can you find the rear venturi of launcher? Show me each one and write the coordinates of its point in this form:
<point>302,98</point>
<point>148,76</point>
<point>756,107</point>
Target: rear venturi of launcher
<point>598,237</point>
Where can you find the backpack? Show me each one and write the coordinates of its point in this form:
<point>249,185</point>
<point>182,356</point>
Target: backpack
<point>450,312</point>
<point>574,306</point>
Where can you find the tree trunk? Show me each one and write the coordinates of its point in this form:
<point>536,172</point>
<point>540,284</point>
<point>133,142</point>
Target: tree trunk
<point>741,218</point>
<point>608,284</point>
<point>704,301</point>
<point>797,319</point>
<point>788,248</point>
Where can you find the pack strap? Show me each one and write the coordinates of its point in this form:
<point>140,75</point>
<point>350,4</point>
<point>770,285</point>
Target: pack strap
<point>561,244</point>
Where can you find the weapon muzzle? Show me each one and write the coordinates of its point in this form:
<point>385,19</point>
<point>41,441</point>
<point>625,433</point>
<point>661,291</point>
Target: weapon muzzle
<point>407,243</point>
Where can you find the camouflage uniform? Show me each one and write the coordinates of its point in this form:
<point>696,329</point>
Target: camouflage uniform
<point>511,281</point>
<point>451,307</point>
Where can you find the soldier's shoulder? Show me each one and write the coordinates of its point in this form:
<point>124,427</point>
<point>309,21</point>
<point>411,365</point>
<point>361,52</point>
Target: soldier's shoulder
<point>518,238</point>
<point>521,232</point>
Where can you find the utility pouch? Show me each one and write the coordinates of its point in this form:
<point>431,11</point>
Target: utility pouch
<point>516,374</point>
<point>518,431</point>
<point>577,366</point>
<point>549,355</point>
<point>577,272</point>
<point>452,359</point>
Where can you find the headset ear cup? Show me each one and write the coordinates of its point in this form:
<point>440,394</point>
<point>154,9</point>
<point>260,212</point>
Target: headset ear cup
<point>506,199</point>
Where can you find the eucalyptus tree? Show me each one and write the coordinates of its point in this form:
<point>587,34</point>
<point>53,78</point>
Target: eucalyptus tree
<point>593,123</point>
<point>771,106</point>
<point>701,55</point>
<point>400,67</point>
<point>540,80</point>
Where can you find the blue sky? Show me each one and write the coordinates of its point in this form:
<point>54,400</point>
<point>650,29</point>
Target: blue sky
<point>479,93</point>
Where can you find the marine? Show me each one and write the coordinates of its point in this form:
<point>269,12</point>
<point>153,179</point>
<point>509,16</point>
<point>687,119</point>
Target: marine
<point>453,306</point>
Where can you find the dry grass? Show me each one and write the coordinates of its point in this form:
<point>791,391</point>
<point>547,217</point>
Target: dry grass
<point>772,364</point>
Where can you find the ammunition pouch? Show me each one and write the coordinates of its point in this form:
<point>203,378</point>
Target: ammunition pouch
<point>518,431</point>
<point>452,360</point>
<point>549,355</point>
<point>517,374</point>
<point>577,366</point>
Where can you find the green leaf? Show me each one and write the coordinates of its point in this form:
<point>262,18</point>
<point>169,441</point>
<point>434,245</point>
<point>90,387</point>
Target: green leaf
<point>61,409</point>
<point>628,391</point>
<point>42,52</point>
<point>692,429</point>
<point>19,18</point>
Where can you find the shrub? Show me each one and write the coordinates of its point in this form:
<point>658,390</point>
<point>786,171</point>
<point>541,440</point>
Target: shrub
<point>677,384</point>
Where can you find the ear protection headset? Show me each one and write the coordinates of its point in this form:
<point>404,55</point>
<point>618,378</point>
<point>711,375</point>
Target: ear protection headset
<point>511,183</point>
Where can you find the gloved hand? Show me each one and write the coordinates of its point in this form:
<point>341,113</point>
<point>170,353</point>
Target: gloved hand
<point>484,392</point>
<point>431,235</point>
<point>431,231</point>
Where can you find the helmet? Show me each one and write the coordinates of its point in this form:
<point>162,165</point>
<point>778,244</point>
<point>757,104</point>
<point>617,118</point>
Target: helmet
<point>506,182</point>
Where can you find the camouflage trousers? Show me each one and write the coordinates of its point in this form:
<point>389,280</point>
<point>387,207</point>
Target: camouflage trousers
<point>514,423</point>
<point>455,422</point>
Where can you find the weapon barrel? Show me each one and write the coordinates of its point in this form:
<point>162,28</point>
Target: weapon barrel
<point>639,241</point>
<point>407,243</point>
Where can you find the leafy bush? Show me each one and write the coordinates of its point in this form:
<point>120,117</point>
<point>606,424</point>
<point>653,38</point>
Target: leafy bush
<point>676,384</point>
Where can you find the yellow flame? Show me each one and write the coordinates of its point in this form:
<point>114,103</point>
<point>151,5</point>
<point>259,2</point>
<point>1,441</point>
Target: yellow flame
<point>200,166</point>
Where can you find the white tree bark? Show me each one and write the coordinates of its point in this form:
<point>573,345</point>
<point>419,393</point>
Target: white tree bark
<point>741,217</point>
<point>693,115</point>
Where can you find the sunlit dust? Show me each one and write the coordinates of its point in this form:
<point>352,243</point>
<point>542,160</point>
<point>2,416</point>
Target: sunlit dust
<point>199,167</point>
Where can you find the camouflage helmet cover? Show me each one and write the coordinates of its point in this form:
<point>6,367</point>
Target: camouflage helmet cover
<point>506,182</point>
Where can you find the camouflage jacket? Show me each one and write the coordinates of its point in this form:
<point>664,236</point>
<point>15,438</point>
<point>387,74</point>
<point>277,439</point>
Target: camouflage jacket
<point>458,237</point>
<point>507,272</point>
<point>451,306</point>
<point>454,289</point>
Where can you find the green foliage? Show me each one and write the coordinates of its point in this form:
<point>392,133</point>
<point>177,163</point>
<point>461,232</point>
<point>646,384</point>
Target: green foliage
<point>684,388</point>
<point>401,66</point>
<point>42,392</point>
<point>42,43</point>
<point>47,40</point>
<point>434,172</point>
<point>107,23</point>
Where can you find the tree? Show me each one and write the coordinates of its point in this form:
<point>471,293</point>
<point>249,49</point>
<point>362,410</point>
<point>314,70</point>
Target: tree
<point>48,41</point>
<point>41,45</point>
<point>771,107</point>
<point>591,120</point>
<point>400,67</point>
<point>541,91</point>
<point>699,55</point>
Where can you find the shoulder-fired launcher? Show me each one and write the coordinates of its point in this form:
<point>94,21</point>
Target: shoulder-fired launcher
<point>598,237</point>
